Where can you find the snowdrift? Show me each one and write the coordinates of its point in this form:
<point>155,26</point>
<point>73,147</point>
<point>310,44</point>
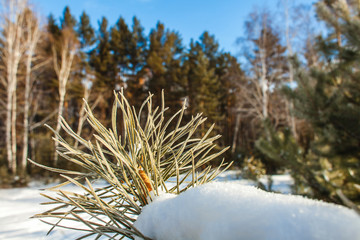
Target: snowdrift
<point>232,211</point>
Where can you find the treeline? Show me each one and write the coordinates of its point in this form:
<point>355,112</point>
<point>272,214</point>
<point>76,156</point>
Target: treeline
<point>292,105</point>
<point>48,71</point>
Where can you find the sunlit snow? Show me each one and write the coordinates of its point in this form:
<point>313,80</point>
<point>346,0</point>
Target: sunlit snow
<point>244,208</point>
<point>233,211</point>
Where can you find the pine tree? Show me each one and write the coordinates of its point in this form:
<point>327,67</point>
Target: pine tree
<point>215,75</point>
<point>328,98</point>
<point>101,60</point>
<point>119,44</point>
<point>68,20</point>
<point>52,26</point>
<point>164,61</point>
<point>85,80</point>
<point>86,36</point>
<point>210,48</point>
<point>230,76</point>
<point>203,87</point>
<point>137,73</point>
<point>137,47</point>
<point>85,31</point>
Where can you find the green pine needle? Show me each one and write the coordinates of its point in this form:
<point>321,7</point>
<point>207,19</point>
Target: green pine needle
<point>148,146</point>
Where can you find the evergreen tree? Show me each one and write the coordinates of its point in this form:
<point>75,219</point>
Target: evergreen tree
<point>133,69</point>
<point>52,26</point>
<point>137,73</point>
<point>68,20</point>
<point>215,75</point>
<point>210,48</point>
<point>329,99</point>
<point>137,47</point>
<point>204,87</point>
<point>101,60</point>
<point>119,44</point>
<point>85,31</point>
<point>164,61</point>
<point>86,36</point>
<point>230,76</point>
<point>86,76</point>
<point>48,79</point>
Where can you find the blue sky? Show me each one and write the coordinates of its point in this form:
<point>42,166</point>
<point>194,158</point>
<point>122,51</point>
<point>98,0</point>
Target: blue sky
<point>223,18</point>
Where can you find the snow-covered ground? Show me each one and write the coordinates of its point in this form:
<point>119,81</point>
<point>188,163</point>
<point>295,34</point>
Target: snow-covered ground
<point>18,205</point>
<point>233,211</point>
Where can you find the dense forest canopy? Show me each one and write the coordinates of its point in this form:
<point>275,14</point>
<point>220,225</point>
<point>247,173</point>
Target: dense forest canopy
<point>291,105</point>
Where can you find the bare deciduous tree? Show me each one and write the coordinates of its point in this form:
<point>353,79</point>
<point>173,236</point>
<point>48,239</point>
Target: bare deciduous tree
<point>31,40</point>
<point>64,51</point>
<point>267,62</point>
<point>87,84</point>
<point>258,96</point>
<point>12,21</point>
<point>288,36</point>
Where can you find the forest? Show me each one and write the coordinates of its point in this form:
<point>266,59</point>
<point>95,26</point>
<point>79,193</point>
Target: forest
<point>289,102</point>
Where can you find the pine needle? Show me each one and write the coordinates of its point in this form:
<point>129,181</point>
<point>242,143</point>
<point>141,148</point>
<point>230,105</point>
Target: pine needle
<point>133,165</point>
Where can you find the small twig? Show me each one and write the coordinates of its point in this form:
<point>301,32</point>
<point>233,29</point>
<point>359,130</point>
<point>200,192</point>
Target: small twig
<point>347,201</point>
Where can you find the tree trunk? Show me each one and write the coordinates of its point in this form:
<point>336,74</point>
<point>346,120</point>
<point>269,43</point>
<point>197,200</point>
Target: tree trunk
<point>58,125</point>
<point>236,132</point>
<point>26,112</point>
<point>11,53</point>
<point>26,116</point>
<point>9,152</point>
<point>264,88</point>
<point>13,130</point>
<point>82,115</point>
<point>11,113</point>
<point>68,50</point>
<point>290,105</point>
<point>32,40</point>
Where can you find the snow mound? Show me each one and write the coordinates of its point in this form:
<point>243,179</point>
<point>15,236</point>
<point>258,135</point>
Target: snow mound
<point>227,211</point>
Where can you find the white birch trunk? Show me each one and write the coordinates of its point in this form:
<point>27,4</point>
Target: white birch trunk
<point>236,132</point>
<point>290,105</point>
<point>13,130</point>
<point>9,151</point>
<point>265,97</point>
<point>13,49</point>
<point>68,50</point>
<point>32,40</point>
<point>264,83</point>
<point>82,115</point>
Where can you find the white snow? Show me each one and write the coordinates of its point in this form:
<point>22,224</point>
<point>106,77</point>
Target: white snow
<point>216,202</point>
<point>17,205</point>
<point>230,210</point>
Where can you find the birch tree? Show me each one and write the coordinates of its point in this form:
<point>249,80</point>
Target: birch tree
<point>64,51</point>
<point>267,64</point>
<point>31,40</point>
<point>258,98</point>
<point>87,83</point>
<point>298,22</point>
<point>12,21</point>
<point>288,37</point>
